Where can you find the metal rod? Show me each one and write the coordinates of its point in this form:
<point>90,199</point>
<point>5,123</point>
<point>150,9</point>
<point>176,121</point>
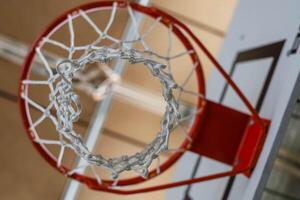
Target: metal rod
<point>15,51</point>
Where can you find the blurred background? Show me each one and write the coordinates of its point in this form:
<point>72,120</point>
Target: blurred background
<point>26,175</point>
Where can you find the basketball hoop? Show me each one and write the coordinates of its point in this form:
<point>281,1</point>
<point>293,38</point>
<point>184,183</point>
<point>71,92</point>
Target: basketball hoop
<point>210,121</point>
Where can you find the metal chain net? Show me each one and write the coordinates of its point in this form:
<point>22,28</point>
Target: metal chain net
<point>68,109</point>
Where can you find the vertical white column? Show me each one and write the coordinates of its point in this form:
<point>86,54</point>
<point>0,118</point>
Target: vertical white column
<point>98,118</point>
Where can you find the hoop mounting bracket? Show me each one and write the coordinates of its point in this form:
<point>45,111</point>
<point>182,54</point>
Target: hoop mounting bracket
<point>230,136</point>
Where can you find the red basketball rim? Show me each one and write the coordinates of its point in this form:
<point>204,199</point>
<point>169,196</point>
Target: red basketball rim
<point>151,12</point>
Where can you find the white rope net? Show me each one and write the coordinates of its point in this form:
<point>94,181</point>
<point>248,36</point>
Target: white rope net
<point>66,103</point>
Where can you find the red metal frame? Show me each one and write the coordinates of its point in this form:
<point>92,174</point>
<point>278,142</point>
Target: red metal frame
<point>238,145</point>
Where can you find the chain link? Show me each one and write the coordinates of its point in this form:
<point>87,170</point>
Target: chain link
<point>68,108</point>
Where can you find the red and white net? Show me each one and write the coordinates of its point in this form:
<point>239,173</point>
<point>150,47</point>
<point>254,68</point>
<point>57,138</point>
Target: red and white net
<point>66,73</point>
